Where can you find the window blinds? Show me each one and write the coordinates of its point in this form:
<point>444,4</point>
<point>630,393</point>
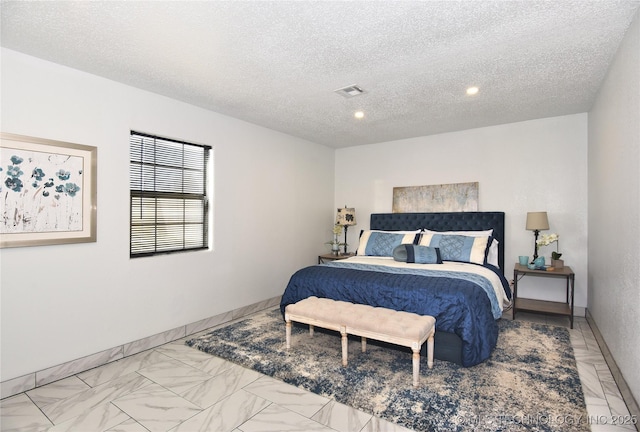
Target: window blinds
<point>169,204</point>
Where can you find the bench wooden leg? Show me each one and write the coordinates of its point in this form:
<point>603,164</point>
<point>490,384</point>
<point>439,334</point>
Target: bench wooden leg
<point>416,366</point>
<point>430,351</point>
<point>345,347</point>
<point>364,344</point>
<point>310,330</point>
<point>288,333</point>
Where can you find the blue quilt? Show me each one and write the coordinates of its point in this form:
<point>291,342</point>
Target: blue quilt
<point>461,303</point>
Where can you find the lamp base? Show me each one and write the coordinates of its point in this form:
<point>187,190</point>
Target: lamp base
<point>345,239</point>
<point>535,245</point>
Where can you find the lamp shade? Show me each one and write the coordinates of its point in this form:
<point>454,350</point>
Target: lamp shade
<point>346,216</point>
<point>537,221</point>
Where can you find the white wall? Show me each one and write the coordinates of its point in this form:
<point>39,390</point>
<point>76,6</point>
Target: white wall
<point>273,203</point>
<point>538,165</point>
<point>614,208</point>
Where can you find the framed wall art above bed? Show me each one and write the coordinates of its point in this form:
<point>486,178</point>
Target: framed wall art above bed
<point>453,197</point>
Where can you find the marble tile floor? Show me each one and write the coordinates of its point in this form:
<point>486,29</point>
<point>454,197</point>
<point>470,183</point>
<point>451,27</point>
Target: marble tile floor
<point>176,388</point>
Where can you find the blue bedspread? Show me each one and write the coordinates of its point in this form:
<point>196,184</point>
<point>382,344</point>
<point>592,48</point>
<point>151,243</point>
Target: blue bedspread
<point>460,306</point>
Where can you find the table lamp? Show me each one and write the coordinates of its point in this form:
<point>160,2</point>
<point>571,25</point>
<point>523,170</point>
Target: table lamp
<point>346,217</point>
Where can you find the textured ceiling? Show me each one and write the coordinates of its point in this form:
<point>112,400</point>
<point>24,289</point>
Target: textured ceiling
<point>277,64</point>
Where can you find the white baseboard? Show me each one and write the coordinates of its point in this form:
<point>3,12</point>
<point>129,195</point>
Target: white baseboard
<point>39,378</point>
<point>625,391</point>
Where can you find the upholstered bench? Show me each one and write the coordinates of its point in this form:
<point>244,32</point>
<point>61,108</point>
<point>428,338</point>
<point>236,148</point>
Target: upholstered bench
<point>396,327</point>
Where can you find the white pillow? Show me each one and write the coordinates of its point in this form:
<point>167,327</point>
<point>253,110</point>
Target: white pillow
<point>492,255</point>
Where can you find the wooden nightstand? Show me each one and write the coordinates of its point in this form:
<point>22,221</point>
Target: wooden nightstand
<point>547,307</point>
<point>331,257</point>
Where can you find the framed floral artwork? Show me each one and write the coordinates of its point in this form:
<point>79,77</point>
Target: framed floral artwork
<point>47,193</point>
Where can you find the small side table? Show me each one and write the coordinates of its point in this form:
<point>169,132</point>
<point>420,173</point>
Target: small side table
<point>543,306</point>
<point>331,257</point>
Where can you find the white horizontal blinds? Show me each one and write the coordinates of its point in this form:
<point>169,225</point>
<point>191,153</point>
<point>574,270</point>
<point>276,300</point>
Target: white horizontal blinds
<point>169,204</point>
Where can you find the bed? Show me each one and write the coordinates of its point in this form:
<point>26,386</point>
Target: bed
<point>464,289</point>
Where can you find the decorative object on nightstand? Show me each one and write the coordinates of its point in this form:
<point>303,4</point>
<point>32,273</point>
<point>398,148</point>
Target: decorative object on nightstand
<point>346,217</point>
<point>548,239</point>
<point>538,263</point>
<point>536,222</point>
<point>335,243</point>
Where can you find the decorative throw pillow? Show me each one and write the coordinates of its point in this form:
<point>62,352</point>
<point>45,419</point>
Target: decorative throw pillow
<point>382,243</point>
<point>458,247</point>
<point>492,254</point>
<point>410,253</point>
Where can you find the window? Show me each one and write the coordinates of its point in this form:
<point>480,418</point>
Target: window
<point>169,204</point>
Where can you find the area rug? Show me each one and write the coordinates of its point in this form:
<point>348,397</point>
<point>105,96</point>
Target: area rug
<point>530,382</point>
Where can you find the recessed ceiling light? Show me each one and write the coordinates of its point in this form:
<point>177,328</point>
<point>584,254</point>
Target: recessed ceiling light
<point>472,91</point>
<point>359,115</point>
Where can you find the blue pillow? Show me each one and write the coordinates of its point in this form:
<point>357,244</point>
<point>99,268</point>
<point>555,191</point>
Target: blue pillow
<point>417,254</point>
<point>458,247</point>
<point>382,243</point>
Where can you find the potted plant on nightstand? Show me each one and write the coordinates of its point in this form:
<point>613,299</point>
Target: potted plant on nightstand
<point>546,240</point>
<point>335,243</point>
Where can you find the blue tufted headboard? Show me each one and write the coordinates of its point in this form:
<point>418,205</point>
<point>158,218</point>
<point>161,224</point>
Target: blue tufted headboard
<point>446,221</point>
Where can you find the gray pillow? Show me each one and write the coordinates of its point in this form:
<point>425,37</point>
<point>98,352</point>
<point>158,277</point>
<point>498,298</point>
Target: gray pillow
<point>417,254</point>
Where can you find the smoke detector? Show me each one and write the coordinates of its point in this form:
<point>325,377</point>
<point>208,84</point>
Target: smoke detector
<point>350,91</point>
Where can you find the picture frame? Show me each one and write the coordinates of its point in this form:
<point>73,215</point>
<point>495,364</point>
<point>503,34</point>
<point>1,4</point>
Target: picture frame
<point>48,192</point>
<point>453,197</point>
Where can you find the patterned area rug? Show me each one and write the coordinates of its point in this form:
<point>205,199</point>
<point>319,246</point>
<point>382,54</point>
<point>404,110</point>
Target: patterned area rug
<point>530,382</point>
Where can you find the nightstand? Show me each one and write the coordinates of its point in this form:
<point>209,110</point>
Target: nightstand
<point>331,257</point>
<point>542,306</point>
